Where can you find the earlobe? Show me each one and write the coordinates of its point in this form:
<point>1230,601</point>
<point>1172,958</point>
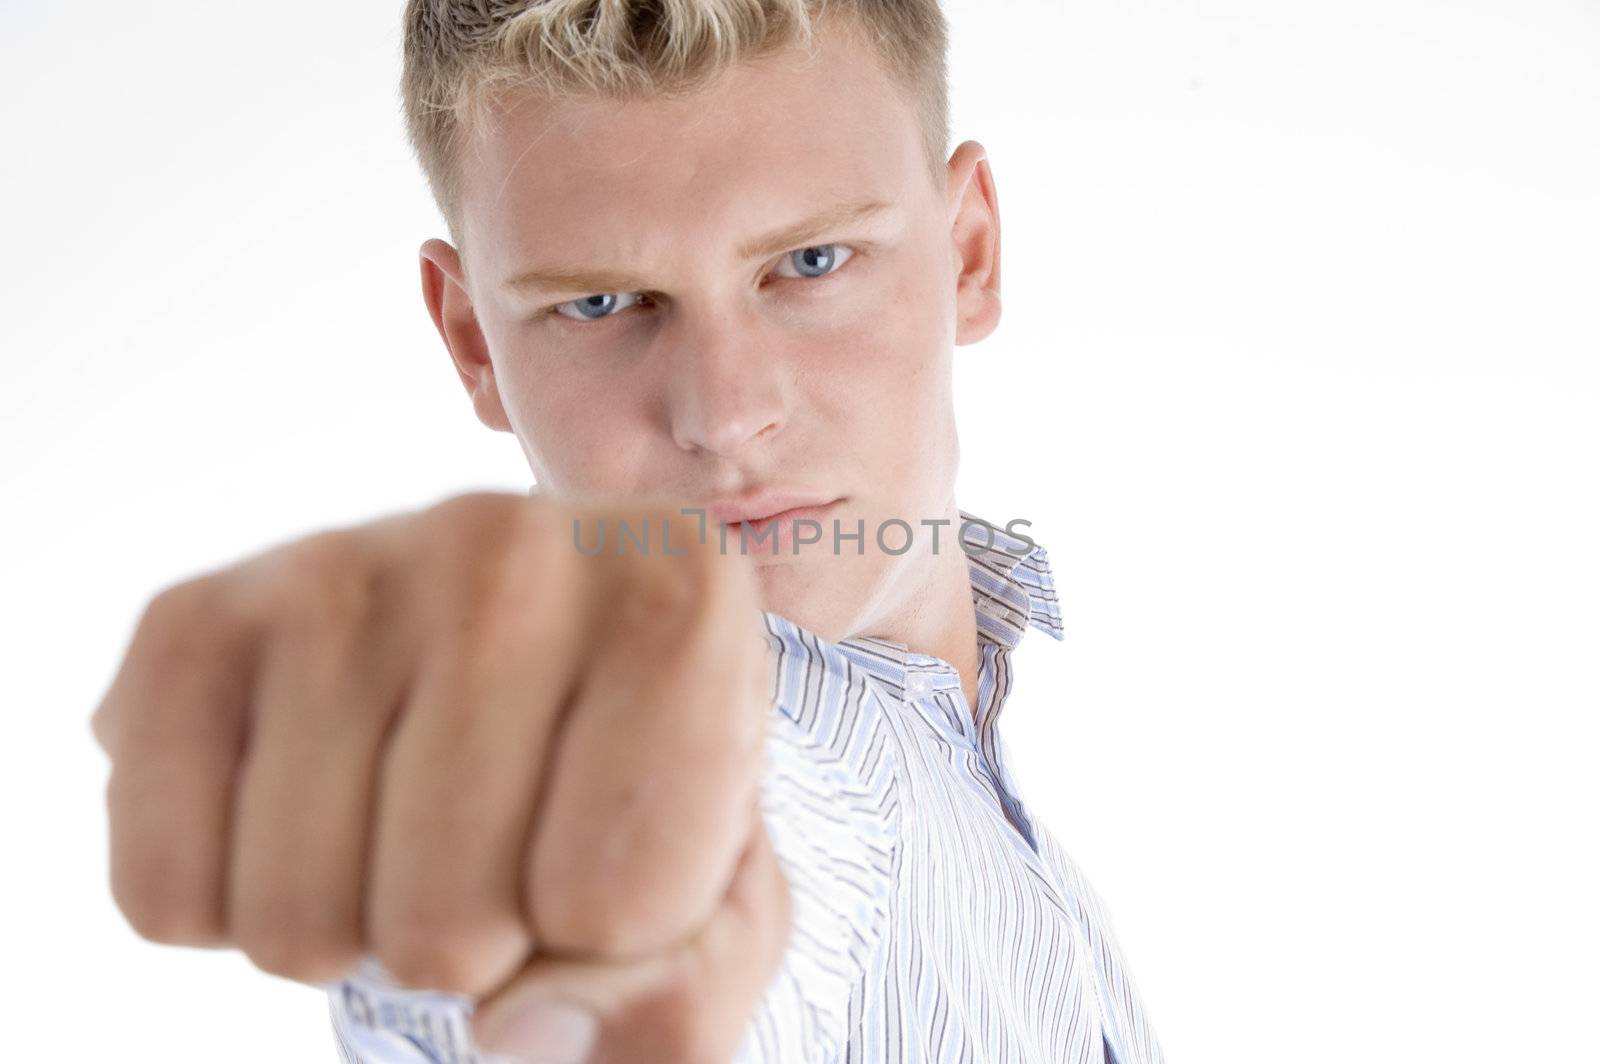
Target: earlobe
<point>975,243</point>
<point>444,292</point>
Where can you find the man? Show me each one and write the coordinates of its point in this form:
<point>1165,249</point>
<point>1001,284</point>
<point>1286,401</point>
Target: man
<point>708,263</point>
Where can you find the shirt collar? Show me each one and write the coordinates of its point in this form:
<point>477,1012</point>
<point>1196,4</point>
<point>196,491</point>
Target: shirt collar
<point>1012,585</point>
<point>1012,589</point>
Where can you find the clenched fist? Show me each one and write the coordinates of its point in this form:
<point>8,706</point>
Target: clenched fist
<point>452,741</point>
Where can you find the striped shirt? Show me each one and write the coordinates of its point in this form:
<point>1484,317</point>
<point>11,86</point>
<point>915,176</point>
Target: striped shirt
<point>932,917</point>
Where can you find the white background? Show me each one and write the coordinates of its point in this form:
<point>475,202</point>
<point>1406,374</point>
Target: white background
<point>1297,380</point>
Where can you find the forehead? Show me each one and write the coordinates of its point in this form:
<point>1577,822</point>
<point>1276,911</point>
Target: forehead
<point>763,144</point>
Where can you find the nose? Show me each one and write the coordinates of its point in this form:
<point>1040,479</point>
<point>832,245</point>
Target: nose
<point>727,388</point>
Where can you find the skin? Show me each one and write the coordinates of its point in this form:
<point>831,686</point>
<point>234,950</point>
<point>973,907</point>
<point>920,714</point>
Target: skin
<point>714,374</point>
<point>396,739</point>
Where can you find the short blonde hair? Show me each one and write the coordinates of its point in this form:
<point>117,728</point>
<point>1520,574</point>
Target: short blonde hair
<point>462,57</point>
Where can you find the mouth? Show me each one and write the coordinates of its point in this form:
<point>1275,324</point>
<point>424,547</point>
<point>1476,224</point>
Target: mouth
<point>774,531</point>
<point>765,505</point>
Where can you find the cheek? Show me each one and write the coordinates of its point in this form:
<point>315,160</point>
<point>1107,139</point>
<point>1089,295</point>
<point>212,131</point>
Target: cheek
<point>577,440</point>
<point>889,393</point>
<point>917,359</point>
<point>903,350</point>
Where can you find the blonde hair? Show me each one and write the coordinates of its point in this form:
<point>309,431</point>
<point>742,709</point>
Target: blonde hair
<point>463,57</point>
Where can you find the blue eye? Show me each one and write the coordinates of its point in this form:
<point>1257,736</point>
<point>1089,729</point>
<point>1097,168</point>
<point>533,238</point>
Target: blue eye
<point>595,307</point>
<point>818,261</point>
<point>810,263</point>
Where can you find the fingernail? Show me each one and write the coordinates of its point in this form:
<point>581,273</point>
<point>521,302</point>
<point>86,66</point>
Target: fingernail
<point>543,1032</point>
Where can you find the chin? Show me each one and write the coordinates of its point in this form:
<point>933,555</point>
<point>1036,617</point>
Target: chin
<point>786,580</point>
<point>799,589</point>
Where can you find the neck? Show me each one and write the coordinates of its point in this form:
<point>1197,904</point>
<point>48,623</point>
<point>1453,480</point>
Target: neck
<point>935,616</point>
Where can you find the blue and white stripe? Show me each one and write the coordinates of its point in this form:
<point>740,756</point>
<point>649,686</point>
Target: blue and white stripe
<point>982,939</point>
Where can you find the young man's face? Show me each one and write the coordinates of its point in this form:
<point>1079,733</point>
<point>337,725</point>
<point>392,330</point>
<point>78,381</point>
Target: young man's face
<point>680,359</point>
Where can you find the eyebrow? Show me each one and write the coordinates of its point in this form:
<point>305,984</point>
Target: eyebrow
<point>562,278</point>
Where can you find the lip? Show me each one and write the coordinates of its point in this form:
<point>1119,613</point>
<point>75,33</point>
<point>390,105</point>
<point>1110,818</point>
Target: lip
<point>758,507</point>
<point>771,518</point>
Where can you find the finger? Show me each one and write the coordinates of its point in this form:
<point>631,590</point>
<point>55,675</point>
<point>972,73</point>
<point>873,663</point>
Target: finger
<point>173,722</point>
<point>327,692</point>
<point>691,1002</point>
<point>648,799</point>
<point>458,786</point>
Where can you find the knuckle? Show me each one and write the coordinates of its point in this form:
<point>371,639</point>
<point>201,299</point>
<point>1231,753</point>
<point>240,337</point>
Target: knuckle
<point>469,525</point>
<point>661,570</point>
<point>418,963</point>
<point>603,918</point>
<point>178,624</point>
<point>660,596</point>
<point>473,507</point>
<point>449,947</point>
<point>102,724</point>
<point>159,913</point>
<point>164,888</point>
<point>174,605</point>
<point>524,583</point>
<point>318,586</point>
<point>167,643</point>
<point>692,534</point>
<point>678,1022</point>
<point>297,944</point>
<point>167,925</point>
<point>491,557</point>
<point>682,595</point>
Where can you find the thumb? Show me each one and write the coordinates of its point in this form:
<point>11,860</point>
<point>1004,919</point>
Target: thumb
<point>688,1003</point>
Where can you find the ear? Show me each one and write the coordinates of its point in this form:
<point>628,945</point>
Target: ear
<point>974,214</point>
<point>444,290</point>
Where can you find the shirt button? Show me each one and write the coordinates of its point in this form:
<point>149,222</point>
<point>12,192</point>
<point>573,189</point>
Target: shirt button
<point>916,687</point>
